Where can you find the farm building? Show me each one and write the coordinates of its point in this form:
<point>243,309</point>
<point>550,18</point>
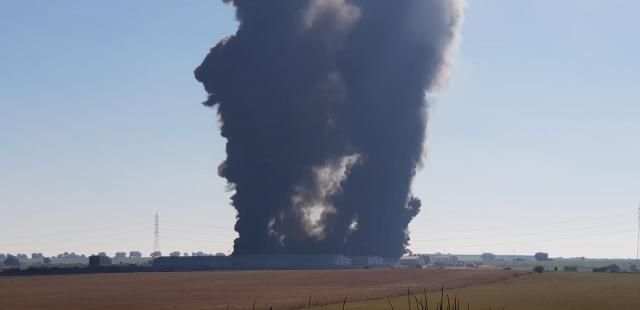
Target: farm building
<point>413,260</point>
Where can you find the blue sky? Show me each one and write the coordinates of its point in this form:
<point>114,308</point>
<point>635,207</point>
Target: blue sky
<point>533,146</point>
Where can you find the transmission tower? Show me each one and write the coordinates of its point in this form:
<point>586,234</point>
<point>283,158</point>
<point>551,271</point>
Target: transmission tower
<point>156,235</point>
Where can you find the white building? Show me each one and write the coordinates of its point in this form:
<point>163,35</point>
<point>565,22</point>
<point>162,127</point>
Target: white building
<point>413,261</point>
<point>444,260</point>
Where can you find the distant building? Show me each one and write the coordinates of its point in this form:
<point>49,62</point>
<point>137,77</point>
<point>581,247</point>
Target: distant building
<point>444,260</point>
<point>99,260</point>
<point>248,262</point>
<point>373,261</point>
<point>193,262</point>
<point>342,260</point>
<point>413,261</point>
<point>291,261</point>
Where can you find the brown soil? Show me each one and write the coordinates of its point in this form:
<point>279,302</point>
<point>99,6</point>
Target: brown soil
<point>216,290</point>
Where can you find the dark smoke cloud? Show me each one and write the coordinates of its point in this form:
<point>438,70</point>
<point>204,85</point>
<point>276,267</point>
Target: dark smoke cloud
<point>322,103</point>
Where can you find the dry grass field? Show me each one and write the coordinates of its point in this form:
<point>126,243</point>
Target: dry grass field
<point>548,291</point>
<point>216,290</point>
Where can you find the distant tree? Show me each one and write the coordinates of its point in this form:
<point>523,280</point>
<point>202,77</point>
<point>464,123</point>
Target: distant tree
<point>634,268</point>
<point>488,257</point>
<point>220,254</point>
<point>613,268</point>
<point>155,254</point>
<point>47,261</point>
<point>555,268</point>
<point>200,253</point>
<point>99,260</point>
<point>570,269</point>
<point>538,269</point>
<point>37,256</point>
<point>102,254</point>
<point>22,256</point>
<point>12,261</point>
<point>66,255</point>
<point>600,269</point>
<point>135,254</point>
<point>541,256</point>
<point>121,255</point>
<point>175,254</point>
<point>185,254</point>
<point>3,257</point>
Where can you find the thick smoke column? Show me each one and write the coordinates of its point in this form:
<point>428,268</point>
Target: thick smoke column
<point>322,103</point>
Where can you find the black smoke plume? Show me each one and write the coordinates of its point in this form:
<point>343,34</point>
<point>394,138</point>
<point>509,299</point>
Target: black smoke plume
<point>322,103</point>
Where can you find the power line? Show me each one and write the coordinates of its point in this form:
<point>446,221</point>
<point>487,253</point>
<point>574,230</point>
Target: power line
<point>209,226</point>
<point>79,231</point>
<point>493,228</point>
<point>620,232</point>
<point>97,235</point>
<point>114,240</point>
<point>199,240</point>
<point>171,231</point>
<point>509,235</point>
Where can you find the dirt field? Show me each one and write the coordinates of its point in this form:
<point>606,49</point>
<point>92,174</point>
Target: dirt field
<point>548,291</point>
<point>214,290</point>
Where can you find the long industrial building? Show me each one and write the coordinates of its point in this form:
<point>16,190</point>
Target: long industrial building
<point>248,262</point>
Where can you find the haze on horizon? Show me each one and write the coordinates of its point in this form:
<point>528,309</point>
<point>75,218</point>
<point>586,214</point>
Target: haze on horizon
<point>532,146</point>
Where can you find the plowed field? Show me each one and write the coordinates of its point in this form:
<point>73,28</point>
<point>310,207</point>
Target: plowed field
<point>238,289</point>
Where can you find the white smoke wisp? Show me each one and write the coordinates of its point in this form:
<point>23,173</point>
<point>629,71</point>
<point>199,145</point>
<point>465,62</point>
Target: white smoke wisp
<point>315,205</point>
<point>331,21</point>
<point>336,14</point>
<point>330,177</point>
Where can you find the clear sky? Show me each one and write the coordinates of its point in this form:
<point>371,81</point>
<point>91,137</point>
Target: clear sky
<point>534,146</point>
